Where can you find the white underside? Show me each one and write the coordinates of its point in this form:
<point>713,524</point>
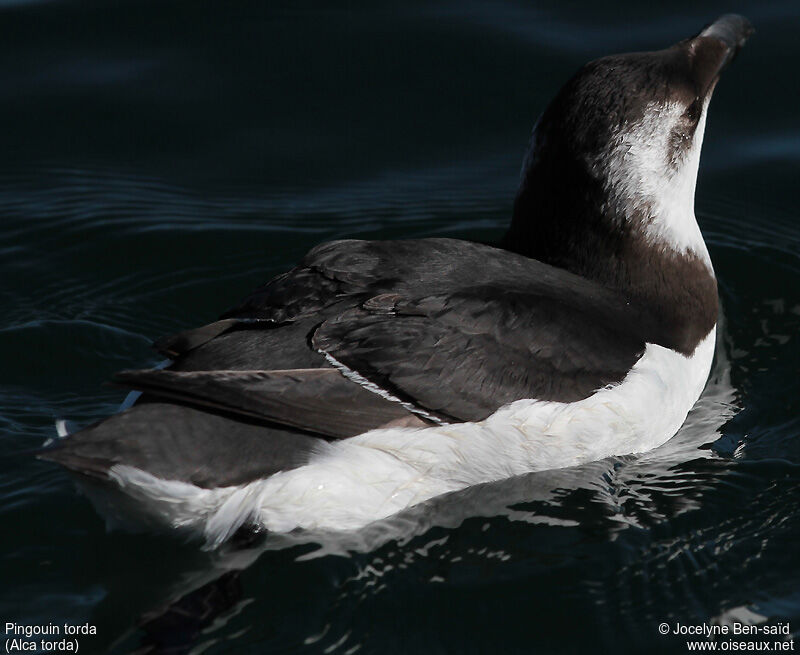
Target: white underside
<point>352,482</point>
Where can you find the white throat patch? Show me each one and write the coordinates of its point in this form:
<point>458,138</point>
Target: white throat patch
<point>643,181</point>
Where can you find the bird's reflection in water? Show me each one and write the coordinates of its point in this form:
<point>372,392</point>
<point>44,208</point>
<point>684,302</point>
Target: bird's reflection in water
<point>175,628</point>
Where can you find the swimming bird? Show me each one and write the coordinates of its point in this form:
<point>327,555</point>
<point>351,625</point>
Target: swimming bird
<point>377,374</point>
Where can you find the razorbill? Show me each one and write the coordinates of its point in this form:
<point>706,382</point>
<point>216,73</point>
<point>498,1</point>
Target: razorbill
<point>377,374</point>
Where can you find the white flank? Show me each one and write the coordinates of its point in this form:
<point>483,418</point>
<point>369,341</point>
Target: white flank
<point>355,481</point>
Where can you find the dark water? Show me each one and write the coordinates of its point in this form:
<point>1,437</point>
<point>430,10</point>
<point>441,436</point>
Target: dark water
<point>159,159</point>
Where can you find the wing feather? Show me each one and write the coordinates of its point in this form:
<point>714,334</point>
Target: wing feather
<point>321,401</point>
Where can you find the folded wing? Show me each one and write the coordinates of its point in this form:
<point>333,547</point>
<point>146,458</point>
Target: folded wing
<point>452,330</point>
<point>462,356</point>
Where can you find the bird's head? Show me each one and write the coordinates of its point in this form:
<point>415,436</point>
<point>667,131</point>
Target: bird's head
<point>614,157</point>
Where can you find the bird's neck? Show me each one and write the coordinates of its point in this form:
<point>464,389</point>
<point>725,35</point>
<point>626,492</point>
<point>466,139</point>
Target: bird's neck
<point>651,252</point>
